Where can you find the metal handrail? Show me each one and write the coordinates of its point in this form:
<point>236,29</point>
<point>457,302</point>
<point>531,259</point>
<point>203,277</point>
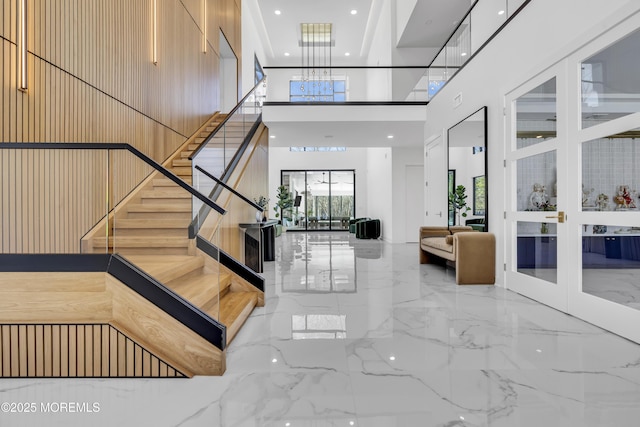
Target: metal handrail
<point>226,187</point>
<point>115,146</point>
<point>221,125</point>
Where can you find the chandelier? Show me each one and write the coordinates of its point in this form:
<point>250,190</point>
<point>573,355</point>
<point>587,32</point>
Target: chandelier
<point>316,81</point>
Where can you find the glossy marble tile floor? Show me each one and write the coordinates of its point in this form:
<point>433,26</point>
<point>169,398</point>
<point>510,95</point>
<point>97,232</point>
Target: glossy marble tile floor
<point>357,333</point>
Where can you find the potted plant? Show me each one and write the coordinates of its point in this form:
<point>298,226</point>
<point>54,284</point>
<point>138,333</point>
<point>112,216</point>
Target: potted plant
<point>458,202</point>
<point>284,201</point>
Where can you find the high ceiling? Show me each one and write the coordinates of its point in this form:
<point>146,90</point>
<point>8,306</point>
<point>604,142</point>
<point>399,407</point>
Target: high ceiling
<point>356,24</point>
<point>429,25</point>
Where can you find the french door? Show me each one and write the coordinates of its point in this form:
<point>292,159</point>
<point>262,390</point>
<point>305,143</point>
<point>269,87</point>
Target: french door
<point>537,263</point>
<point>572,167</point>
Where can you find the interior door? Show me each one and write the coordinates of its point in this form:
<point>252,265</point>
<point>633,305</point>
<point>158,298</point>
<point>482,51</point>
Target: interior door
<point>435,202</point>
<point>537,258</point>
<point>413,201</point>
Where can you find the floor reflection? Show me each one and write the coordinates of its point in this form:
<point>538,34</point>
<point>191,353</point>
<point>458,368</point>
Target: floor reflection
<point>317,263</point>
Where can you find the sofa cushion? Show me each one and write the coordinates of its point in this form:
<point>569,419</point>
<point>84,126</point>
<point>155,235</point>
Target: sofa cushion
<point>438,243</point>
<point>449,239</point>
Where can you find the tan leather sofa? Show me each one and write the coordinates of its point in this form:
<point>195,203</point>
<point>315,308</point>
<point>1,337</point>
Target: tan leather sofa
<point>472,253</point>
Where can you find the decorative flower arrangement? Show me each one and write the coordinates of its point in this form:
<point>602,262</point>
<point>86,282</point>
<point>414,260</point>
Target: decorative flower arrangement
<point>261,201</point>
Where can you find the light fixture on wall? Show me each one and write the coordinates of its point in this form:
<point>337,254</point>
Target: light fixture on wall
<point>155,32</point>
<point>204,26</point>
<point>22,46</point>
<point>316,45</point>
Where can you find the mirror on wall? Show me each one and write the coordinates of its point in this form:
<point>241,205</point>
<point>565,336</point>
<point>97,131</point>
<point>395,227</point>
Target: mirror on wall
<point>467,178</point>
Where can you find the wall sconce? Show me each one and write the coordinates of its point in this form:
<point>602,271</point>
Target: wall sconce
<point>204,26</point>
<point>22,46</point>
<point>155,32</point>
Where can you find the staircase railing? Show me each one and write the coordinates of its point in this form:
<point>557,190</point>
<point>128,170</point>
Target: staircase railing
<point>52,193</point>
<point>241,236</point>
<point>218,150</point>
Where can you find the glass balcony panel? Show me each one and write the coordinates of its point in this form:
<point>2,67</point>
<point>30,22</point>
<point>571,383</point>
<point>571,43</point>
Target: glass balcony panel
<point>487,16</point>
<point>458,48</point>
<point>375,84</point>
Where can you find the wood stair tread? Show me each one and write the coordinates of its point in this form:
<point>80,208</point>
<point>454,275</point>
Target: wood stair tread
<point>203,291</point>
<point>181,162</point>
<point>234,309</point>
<point>165,194</point>
<point>166,268</point>
<point>158,207</point>
<point>160,223</point>
<point>143,242</point>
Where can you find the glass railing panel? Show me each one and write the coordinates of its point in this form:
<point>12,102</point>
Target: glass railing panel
<point>358,84</point>
<point>487,16</point>
<point>240,231</point>
<point>152,228</point>
<point>217,152</point>
<point>458,47</point>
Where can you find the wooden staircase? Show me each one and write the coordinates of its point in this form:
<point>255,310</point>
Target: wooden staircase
<point>151,230</point>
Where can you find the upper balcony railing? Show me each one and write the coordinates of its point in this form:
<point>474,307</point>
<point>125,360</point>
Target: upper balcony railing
<point>394,84</point>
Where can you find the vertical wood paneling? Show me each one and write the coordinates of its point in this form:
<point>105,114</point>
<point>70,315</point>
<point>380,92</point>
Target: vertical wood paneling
<point>43,350</point>
<point>91,80</point>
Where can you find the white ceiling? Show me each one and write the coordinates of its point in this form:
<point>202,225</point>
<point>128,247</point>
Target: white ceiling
<point>429,25</point>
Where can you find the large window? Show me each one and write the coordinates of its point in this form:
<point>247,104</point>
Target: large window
<point>323,199</point>
<point>317,90</point>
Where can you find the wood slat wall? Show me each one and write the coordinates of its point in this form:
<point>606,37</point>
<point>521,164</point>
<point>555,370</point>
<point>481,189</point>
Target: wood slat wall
<point>75,350</point>
<point>91,79</point>
<point>59,319</point>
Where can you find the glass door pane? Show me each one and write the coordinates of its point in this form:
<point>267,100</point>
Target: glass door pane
<point>342,199</point>
<point>536,266</point>
<point>295,217</point>
<point>321,200</point>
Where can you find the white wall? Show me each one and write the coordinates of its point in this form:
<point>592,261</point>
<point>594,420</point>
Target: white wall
<point>380,50</point>
<point>401,158</point>
<point>379,180</point>
<point>280,158</point>
<point>545,32</point>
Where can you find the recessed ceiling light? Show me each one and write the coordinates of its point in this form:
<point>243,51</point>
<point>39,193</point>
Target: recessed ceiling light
<point>347,54</point>
<point>501,12</point>
<point>272,136</point>
<point>463,54</point>
<point>390,136</point>
<point>353,11</point>
<point>277,12</point>
<point>392,358</point>
<point>274,360</point>
<point>287,54</point>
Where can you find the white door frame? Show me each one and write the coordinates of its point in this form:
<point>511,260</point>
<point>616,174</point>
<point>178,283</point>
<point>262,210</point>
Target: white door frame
<point>552,294</point>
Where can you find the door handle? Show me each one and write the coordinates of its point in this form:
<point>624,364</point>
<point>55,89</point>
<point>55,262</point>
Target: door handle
<point>440,214</point>
<point>561,217</point>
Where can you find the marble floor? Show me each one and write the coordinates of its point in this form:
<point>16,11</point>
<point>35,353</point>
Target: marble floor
<point>357,333</point>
